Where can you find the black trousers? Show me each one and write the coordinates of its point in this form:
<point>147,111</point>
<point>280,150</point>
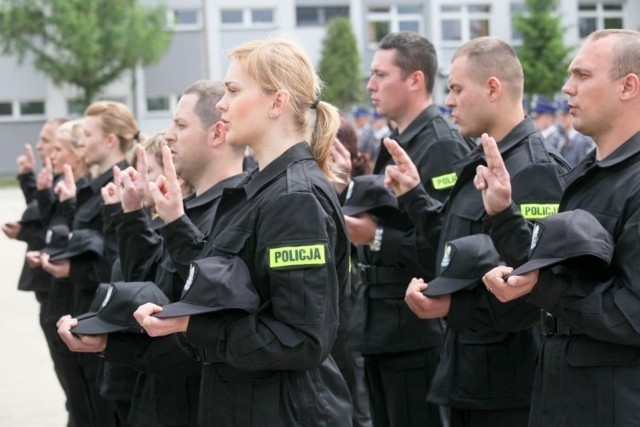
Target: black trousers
<point>398,384</point>
<point>515,417</point>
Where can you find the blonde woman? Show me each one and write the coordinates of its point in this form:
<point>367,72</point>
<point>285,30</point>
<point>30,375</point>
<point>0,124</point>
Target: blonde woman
<point>272,367</point>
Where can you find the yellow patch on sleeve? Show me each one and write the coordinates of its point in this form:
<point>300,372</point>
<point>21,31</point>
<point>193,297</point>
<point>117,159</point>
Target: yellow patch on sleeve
<point>297,256</point>
<point>538,210</point>
<point>444,181</point>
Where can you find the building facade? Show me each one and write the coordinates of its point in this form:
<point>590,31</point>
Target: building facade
<point>205,31</point>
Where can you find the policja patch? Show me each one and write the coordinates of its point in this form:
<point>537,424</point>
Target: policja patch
<point>297,256</point>
<point>538,210</point>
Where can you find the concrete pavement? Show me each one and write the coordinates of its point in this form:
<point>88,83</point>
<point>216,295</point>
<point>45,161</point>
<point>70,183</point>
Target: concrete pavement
<point>30,395</point>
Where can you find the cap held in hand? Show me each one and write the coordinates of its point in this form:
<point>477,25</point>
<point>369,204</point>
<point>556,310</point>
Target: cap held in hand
<point>572,235</point>
<point>119,304</point>
<point>215,284</point>
<point>367,193</point>
<point>466,260</point>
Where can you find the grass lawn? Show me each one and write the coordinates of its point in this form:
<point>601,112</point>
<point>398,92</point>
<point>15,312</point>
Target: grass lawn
<point>8,182</point>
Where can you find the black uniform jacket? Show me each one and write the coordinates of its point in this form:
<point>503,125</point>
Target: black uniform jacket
<point>273,367</point>
<point>486,364</point>
<point>167,390</point>
<point>433,145</point>
<point>32,232</point>
<point>87,273</point>
<point>591,374</point>
<point>144,254</point>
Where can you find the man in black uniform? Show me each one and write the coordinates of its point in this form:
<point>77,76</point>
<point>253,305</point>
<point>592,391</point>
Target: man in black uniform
<point>485,374</point>
<point>209,164</point>
<point>588,370</point>
<point>400,350</point>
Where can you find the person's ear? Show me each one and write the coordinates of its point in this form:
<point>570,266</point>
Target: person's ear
<point>217,133</point>
<point>494,88</point>
<point>630,86</point>
<point>113,141</point>
<point>417,80</point>
<point>278,103</point>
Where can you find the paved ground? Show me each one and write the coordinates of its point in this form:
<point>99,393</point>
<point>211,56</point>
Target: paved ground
<point>30,395</point>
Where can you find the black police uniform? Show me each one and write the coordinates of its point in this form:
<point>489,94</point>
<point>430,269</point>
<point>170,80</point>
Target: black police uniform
<point>110,385</point>
<point>273,367</point>
<point>401,350</point>
<point>80,390</point>
<point>167,391</point>
<point>589,365</point>
<point>485,366</point>
<point>33,230</point>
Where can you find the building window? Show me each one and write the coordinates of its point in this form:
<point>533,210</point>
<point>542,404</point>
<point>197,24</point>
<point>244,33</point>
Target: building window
<point>516,9</point>
<point>19,109</point>
<point>460,23</point>
<point>158,104</point>
<point>382,20</point>
<point>184,19</point>
<point>31,108</point>
<point>231,16</point>
<point>6,109</point>
<point>307,16</point>
<point>262,16</point>
<point>242,18</point>
<point>599,15</point>
<point>75,107</point>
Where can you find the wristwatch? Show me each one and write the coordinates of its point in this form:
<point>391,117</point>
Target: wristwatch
<point>376,243</point>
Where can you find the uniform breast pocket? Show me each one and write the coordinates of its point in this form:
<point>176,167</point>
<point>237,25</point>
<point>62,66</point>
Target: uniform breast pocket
<point>231,241</point>
<point>88,214</point>
<point>468,212</point>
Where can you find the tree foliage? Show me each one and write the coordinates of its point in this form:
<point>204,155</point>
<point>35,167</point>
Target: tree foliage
<point>86,43</point>
<point>543,55</point>
<point>340,65</point>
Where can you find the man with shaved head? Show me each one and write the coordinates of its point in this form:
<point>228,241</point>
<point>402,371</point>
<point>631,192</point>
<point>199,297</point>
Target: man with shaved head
<point>486,368</point>
<point>588,369</point>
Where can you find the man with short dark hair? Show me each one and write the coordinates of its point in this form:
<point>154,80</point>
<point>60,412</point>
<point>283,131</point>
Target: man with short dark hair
<point>401,351</point>
<point>486,369</point>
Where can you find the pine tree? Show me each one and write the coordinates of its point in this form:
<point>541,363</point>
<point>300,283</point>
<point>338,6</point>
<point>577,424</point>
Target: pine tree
<point>340,65</point>
<point>85,43</point>
<point>543,55</point>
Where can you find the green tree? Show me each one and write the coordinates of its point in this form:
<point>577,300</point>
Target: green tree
<point>86,43</point>
<point>543,55</point>
<point>340,65</point>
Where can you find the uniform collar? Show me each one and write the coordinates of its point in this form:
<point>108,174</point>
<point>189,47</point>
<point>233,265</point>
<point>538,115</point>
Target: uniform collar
<point>213,192</point>
<point>519,133</point>
<point>420,122</point>
<point>100,181</point>
<point>296,153</point>
<point>630,148</point>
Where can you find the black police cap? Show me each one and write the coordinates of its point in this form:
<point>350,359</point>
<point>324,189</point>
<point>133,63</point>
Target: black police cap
<point>367,193</point>
<point>572,235</point>
<point>215,284</point>
<point>464,263</point>
<point>117,308</point>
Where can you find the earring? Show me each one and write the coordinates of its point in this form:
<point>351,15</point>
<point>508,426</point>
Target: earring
<point>272,114</point>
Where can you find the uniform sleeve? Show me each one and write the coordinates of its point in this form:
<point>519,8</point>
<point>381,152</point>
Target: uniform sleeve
<point>304,258</point>
<point>110,221</point>
<point>603,308</point>
<point>46,204</point>
<point>185,243</point>
<point>425,213</point>
<point>28,186</point>
<point>536,193</point>
<point>415,249</point>
<point>140,246</point>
